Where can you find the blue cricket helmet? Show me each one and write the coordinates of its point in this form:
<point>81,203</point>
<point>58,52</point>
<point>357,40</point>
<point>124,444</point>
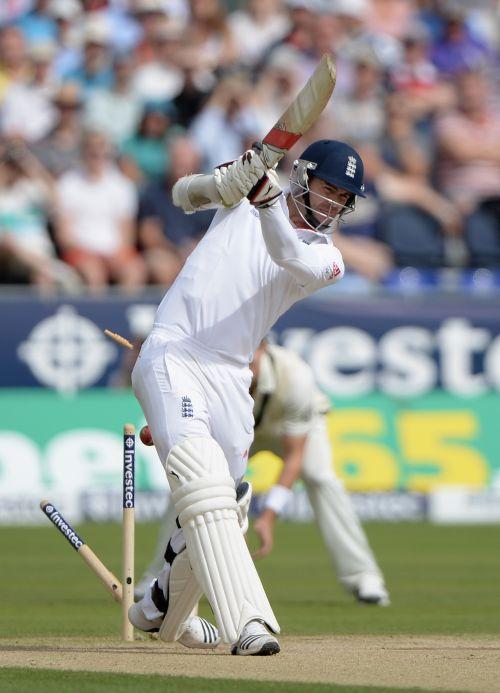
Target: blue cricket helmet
<point>336,163</point>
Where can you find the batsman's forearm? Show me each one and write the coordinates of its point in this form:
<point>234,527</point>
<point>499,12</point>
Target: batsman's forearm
<point>196,192</point>
<point>283,244</point>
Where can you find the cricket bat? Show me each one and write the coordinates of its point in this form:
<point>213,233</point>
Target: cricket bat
<point>302,113</point>
<point>298,118</point>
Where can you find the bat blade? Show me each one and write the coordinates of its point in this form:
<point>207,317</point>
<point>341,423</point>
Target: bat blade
<point>302,112</point>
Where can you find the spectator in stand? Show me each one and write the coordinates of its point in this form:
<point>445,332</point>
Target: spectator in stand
<point>367,257</point>
<point>427,14</point>
<point>390,17</point>
<point>144,157</point>
<point>255,27</point>
<point>359,114</point>
<point>326,34</point>
<point>13,59</point>
<point>10,11</point>
<point>207,43</point>
<point>149,14</point>
<point>359,29</point>
<point>458,49</point>
<point>160,78</point>
<point>421,226</point>
<point>412,221</point>
<point>28,112</point>
<point>323,24</point>
<point>66,14</point>
<point>26,199</point>
<point>468,139</point>
<point>228,123</point>
<point>277,85</point>
<point>402,144</point>
<point>301,17</point>
<point>38,26</point>
<point>95,220</point>
<point>194,95</point>
<point>41,56</point>
<point>300,37</point>
<point>166,234</point>
<point>60,150</point>
<point>115,111</point>
<point>95,69</point>
<point>417,78</point>
<point>123,31</point>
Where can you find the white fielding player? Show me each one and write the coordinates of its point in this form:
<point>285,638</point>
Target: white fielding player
<point>263,252</point>
<point>290,420</point>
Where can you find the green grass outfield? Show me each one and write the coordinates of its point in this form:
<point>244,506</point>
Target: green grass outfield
<point>442,580</point>
<point>24,681</point>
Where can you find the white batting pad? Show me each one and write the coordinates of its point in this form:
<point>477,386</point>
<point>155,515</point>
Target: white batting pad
<point>184,592</point>
<point>204,496</point>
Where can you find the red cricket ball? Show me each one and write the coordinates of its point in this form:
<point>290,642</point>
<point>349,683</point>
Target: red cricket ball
<point>145,436</point>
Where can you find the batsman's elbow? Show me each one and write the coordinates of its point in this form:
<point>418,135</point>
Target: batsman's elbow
<point>334,270</point>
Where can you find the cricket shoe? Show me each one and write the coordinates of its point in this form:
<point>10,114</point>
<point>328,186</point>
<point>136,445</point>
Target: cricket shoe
<point>371,590</point>
<point>255,640</point>
<point>197,632</point>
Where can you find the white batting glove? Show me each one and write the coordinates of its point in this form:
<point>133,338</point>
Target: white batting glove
<point>266,191</point>
<point>235,180</point>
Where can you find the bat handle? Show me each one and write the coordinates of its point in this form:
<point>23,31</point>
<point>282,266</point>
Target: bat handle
<point>269,155</point>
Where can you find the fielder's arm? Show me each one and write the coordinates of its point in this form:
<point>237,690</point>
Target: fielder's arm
<point>279,494</point>
<point>293,452</point>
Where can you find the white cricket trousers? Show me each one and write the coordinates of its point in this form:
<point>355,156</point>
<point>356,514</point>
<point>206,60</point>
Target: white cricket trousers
<point>338,523</point>
<point>187,391</point>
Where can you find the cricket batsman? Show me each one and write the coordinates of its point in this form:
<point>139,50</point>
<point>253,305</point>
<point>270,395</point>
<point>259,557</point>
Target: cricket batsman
<point>264,251</point>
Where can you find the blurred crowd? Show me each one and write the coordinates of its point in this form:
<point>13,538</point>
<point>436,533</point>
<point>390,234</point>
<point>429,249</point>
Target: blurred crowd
<point>105,103</point>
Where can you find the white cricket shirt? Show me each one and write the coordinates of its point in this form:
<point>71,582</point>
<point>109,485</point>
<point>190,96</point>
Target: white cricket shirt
<point>230,291</point>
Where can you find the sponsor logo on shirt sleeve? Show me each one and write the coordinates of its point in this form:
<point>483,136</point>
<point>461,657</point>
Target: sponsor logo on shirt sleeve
<point>331,271</point>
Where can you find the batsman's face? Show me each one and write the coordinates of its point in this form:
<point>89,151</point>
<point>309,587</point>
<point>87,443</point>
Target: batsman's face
<point>315,202</point>
<point>327,199</point>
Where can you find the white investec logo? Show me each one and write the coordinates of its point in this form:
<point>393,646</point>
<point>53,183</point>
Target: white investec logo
<point>351,166</point>
<point>66,351</point>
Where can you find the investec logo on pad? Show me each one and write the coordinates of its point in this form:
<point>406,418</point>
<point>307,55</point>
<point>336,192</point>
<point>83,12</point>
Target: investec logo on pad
<point>128,472</point>
<point>63,526</point>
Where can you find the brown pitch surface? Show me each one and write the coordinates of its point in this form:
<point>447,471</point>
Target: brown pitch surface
<point>429,662</point>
